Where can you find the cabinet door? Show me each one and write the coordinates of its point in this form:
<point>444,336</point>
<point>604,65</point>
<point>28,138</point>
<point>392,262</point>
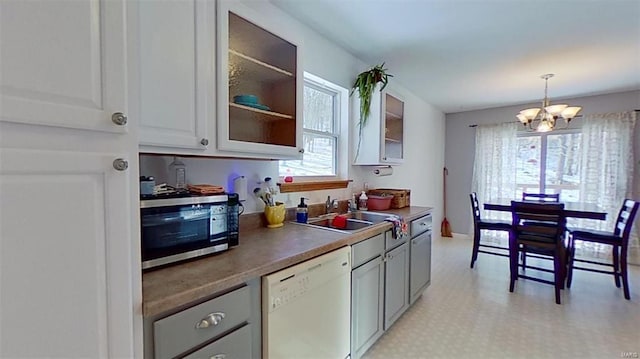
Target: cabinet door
<point>381,139</point>
<point>63,63</point>
<point>367,302</point>
<point>420,273</point>
<point>392,145</point>
<point>396,284</point>
<point>367,138</point>
<point>176,76</point>
<point>259,61</point>
<point>65,255</point>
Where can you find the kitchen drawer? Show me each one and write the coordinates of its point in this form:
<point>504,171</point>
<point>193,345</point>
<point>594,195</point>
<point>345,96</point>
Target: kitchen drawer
<point>363,251</point>
<point>420,225</point>
<point>178,333</point>
<point>390,242</point>
<point>236,345</point>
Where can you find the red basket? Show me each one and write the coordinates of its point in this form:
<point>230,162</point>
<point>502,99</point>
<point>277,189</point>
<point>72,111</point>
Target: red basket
<point>379,203</point>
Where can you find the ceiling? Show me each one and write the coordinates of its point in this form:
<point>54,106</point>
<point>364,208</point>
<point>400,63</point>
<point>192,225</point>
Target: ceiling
<point>462,55</point>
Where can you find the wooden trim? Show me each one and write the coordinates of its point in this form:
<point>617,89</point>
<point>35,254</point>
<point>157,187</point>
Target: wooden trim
<point>312,186</point>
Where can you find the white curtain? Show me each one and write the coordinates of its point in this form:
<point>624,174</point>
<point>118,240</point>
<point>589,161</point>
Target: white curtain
<point>494,166</point>
<point>606,177</point>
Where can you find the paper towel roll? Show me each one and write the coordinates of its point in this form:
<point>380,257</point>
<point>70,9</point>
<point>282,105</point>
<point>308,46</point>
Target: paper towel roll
<point>383,171</point>
<point>240,187</point>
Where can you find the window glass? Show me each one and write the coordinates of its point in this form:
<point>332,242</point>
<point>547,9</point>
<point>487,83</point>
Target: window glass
<point>528,165</point>
<point>320,138</point>
<point>549,163</point>
<point>562,172</point>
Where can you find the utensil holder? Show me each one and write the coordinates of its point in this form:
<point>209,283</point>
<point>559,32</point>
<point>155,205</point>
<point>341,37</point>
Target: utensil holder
<point>275,215</point>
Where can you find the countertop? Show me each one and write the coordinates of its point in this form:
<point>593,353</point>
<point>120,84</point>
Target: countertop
<point>260,251</point>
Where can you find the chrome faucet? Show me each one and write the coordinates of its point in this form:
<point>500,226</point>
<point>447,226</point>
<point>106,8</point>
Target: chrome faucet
<point>331,204</point>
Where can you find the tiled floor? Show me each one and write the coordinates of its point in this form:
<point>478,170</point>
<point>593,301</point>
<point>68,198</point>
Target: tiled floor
<point>470,313</point>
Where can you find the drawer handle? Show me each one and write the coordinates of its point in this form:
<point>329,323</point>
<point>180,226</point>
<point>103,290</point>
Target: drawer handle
<point>212,319</point>
<point>219,356</point>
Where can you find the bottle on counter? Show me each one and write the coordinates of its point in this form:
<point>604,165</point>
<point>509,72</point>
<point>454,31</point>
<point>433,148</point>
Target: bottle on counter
<point>177,174</point>
<point>302,212</point>
<point>362,201</point>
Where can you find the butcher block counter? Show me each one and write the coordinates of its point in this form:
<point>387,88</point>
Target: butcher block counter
<point>260,251</point>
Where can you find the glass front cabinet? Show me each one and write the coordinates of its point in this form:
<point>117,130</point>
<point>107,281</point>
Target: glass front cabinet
<point>260,81</point>
<point>381,139</point>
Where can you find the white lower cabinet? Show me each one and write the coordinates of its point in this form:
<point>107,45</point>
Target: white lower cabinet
<point>226,326</point>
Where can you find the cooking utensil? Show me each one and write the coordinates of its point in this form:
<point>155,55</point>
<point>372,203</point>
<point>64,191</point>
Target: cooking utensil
<point>258,192</point>
<point>445,227</point>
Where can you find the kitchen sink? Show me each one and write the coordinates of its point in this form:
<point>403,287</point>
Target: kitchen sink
<point>354,221</point>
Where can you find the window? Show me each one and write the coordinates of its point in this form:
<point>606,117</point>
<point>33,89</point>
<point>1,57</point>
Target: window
<point>549,163</point>
<point>323,109</point>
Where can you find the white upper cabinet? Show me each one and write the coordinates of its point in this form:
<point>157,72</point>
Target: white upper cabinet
<point>381,140</point>
<point>258,60</point>
<point>63,63</point>
<point>176,73</point>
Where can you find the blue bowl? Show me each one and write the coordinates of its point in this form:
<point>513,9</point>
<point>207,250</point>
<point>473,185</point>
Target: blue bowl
<point>247,99</point>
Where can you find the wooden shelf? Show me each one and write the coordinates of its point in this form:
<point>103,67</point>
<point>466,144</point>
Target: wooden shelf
<point>256,69</point>
<point>392,116</point>
<point>388,139</point>
<point>312,186</point>
<point>264,112</point>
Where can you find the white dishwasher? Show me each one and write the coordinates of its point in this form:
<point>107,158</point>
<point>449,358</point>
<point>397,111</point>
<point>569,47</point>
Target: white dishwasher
<point>306,309</point>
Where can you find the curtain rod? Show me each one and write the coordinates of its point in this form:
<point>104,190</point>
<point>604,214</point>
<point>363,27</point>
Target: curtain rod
<point>476,125</point>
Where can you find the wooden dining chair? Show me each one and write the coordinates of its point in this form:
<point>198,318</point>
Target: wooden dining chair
<point>542,197</point>
<point>540,237</point>
<point>479,225</point>
<point>618,240</point>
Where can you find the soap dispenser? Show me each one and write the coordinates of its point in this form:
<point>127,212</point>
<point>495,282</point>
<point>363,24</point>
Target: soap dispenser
<point>362,202</point>
<point>302,212</point>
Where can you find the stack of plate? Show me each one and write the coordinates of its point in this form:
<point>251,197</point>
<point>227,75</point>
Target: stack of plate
<point>249,100</point>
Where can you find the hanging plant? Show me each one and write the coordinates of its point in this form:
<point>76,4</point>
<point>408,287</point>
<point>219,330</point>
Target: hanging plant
<point>365,84</point>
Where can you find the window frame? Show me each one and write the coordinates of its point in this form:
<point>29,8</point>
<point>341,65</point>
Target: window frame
<point>340,128</point>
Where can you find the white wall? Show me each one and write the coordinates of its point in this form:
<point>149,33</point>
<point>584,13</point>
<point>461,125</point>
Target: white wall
<point>424,133</point>
<point>460,146</point>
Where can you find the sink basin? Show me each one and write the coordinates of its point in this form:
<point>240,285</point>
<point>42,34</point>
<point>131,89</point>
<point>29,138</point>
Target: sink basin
<point>351,224</point>
<point>354,221</point>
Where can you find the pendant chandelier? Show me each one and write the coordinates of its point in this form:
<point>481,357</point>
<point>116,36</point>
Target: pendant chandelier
<point>548,114</point>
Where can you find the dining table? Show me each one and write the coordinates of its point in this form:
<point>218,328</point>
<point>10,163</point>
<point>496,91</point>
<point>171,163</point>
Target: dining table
<point>571,209</point>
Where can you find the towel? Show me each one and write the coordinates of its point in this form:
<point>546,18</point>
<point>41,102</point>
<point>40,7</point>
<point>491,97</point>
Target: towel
<point>400,227</point>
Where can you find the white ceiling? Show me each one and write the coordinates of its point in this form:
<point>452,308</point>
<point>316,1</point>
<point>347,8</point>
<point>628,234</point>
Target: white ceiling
<point>461,55</point>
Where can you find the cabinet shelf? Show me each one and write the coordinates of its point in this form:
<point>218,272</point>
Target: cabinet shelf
<point>389,139</point>
<point>245,65</point>
<point>392,116</point>
<point>252,109</point>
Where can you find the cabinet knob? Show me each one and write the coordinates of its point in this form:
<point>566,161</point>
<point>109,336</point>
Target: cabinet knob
<point>204,142</point>
<point>120,164</point>
<point>219,356</point>
<point>119,118</point>
<point>210,320</point>
<point>301,150</point>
